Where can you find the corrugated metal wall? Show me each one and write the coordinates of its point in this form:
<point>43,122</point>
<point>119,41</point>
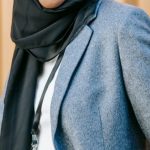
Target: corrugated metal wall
<point>6,46</point>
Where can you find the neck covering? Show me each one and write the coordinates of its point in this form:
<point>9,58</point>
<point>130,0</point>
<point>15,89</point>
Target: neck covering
<point>40,34</point>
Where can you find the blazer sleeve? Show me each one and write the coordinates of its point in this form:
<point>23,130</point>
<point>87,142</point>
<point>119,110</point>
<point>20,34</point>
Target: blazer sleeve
<point>1,112</point>
<point>134,51</point>
<point>2,103</point>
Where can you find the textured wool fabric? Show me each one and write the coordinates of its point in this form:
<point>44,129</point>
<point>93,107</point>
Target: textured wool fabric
<point>1,111</point>
<point>39,34</point>
<point>105,107</point>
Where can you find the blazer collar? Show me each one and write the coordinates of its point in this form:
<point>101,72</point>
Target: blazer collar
<point>73,54</point>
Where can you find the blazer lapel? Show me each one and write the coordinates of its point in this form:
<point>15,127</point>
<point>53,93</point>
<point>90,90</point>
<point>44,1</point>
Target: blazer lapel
<point>73,54</point>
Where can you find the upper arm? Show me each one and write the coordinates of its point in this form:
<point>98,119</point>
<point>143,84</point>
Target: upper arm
<point>1,112</point>
<point>134,50</point>
<point>2,104</point>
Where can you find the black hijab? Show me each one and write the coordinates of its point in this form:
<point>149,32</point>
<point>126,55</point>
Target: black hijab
<point>40,34</point>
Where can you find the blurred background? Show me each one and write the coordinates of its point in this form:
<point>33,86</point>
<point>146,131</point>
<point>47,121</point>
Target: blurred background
<point>6,45</point>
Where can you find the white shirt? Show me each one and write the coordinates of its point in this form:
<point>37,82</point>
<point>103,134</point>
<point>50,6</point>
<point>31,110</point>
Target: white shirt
<point>45,137</point>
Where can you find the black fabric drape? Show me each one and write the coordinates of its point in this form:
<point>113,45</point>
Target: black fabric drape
<point>40,34</point>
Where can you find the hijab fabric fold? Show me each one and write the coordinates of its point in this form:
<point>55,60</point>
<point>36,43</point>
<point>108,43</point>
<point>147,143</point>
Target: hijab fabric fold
<point>40,34</point>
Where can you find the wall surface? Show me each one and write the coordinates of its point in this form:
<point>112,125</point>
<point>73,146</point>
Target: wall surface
<point>7,47</point>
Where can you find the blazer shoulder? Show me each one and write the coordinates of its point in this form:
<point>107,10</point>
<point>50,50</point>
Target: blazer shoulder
<point>116,9</point>
<point>112,15</point>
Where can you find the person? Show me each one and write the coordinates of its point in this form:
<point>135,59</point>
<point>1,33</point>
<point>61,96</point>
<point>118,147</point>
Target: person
<point>80,77</point>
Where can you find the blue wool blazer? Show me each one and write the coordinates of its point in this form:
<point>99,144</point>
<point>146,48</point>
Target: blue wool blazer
<point>101,98</point>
